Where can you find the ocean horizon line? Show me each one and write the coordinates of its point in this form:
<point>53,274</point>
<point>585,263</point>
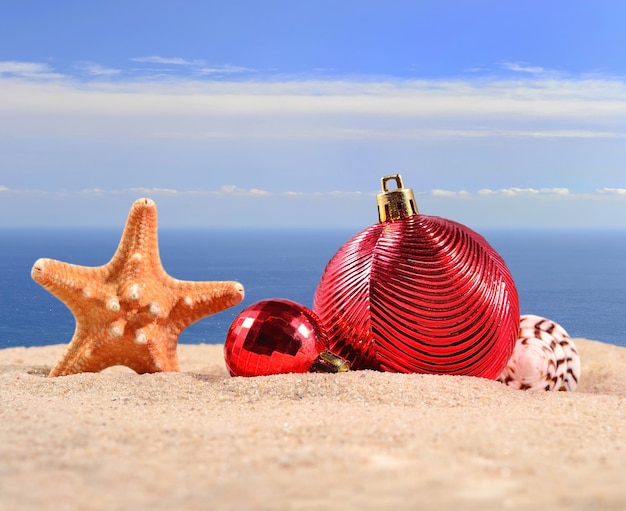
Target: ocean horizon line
<point>302,228</point>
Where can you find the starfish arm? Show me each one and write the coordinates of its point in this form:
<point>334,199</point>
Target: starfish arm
<point>83,354</point>
<point>92,354</point>
<point>76,286</point>
<point>162,344</point>
<point>200,299</point>
<point>139,243</point>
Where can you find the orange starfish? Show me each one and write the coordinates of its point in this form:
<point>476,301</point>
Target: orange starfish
<point>130,311</point>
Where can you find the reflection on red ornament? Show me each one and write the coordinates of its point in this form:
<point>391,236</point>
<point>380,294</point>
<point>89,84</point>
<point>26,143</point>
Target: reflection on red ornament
<point>418,293</point>
<point>278,336</point>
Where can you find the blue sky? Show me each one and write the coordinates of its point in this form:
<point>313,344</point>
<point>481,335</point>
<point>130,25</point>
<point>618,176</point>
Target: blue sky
<point>253,113</point>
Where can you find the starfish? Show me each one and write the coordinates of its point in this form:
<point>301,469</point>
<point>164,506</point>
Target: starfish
<point>130,311</point>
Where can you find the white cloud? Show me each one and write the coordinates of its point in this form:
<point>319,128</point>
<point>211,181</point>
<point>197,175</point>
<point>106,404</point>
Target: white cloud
<point>228,189</point>
<point>612,191</point>
<point>137,190</point>
<point>522,68</point>
<point>339,193</point>
<point>22,68</point>
<point>258,192</point>
<point>505,192</point>
<point>93,69</point>
<point>221,70</point>
<point>555,191</point>
<point>154,59</point>
<point>587,134</point>
<point>405,99</point>
<point>511,192</point>
<point>323,132</point>
<point>223,191</point>
<point>184,109</point>
<point>159,191</point>
<point>560,133</point>
<point>235,190</point>
<point>28,70</point>
<point>232,190</point>
<point>449,193</point>
<point>477,142</point>
<point>232,206</point>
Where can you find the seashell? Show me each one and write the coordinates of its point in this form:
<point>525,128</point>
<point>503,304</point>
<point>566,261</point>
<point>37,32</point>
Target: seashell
<point>544,358</point>
<point>418,293</point>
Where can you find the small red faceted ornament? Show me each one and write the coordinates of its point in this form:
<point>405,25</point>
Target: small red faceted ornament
<point>278,336</point>
<point>418,293</point>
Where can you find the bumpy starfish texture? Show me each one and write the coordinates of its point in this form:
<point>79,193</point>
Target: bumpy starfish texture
<point>130,311</point>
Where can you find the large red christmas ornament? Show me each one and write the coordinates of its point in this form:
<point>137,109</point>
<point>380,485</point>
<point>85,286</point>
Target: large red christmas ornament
<point>418,293</point>
<point>278,336</point>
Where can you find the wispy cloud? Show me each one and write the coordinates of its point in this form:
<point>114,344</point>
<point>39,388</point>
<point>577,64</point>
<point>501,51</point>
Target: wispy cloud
<point>450,193</point>
<point>528,193</point>
<point>509,192</point>
<point>235,190</point>
<point>339,109</point>
<point>512,133</point>
<point>221,70</point>
<point>197,68</point>
<point>175,61</point>
<point>612,191</point>
<point>229,190</point>
<point>234,206</point>
<point>93,69</point>
<point>29,70</point>
<point>391,133</point>
<point>519,67</point>
<point>144,191</point>
<point>512,192</point>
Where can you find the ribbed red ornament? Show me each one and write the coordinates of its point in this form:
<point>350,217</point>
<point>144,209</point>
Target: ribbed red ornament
<point>418,293</point>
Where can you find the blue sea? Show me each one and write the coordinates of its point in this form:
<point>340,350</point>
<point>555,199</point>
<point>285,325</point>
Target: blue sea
<point>574,277</point>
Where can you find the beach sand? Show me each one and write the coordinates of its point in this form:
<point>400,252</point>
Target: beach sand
<point>200,439</point>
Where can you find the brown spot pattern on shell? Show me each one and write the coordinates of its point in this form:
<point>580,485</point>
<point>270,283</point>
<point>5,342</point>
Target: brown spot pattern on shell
<point>544,357</point>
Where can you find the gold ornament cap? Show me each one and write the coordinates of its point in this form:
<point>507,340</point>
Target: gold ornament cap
<point>395,204</point>
<point>328,362</point>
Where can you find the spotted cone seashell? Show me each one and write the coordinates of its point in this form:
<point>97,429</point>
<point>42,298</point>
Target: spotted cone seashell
<point>544,358</point>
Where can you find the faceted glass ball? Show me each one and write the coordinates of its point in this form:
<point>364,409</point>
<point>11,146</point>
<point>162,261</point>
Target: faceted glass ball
<point>274,337</point>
